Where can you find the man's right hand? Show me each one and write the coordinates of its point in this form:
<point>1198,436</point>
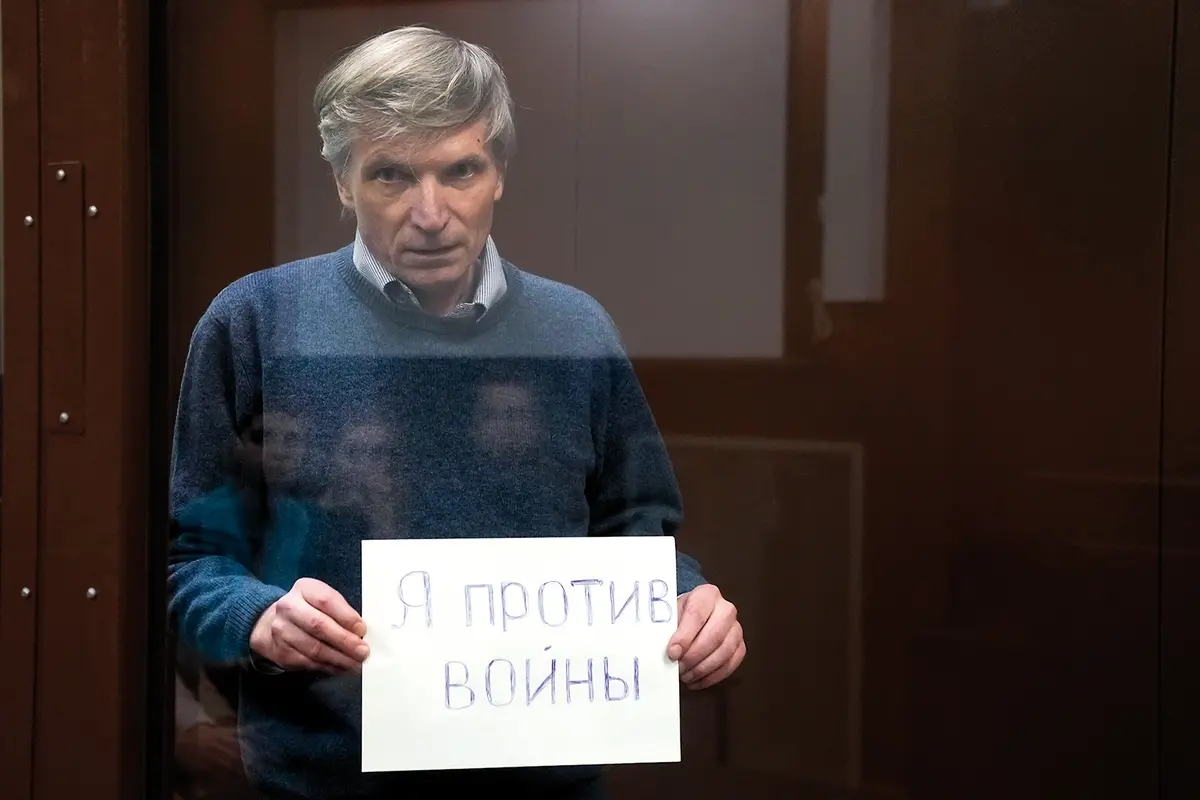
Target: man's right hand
<point>312,627</point>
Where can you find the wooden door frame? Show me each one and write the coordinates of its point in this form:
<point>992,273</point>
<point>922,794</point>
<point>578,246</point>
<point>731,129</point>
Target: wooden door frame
<point>19,594</point>
<point>77,343</point>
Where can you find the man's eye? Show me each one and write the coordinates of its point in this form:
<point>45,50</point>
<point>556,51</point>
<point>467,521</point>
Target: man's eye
<point>390,175</point>
<point>464,170</point>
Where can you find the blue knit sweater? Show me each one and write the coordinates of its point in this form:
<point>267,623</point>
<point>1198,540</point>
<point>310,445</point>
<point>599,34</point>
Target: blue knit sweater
<point>381,421</point>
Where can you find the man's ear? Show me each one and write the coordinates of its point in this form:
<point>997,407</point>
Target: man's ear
<point>499,189</point>
<point>344,194</point>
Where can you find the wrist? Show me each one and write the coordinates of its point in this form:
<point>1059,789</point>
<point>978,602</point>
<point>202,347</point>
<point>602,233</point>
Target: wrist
<point>259,639</point>
<point>248,622</point>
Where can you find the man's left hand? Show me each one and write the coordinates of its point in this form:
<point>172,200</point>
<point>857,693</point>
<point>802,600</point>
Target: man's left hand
<point>708,642</point>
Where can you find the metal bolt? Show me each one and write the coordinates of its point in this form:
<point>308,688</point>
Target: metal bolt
<point>91,593</point>
<point>64,418</point>
<point>28,222</point>
<point>25,592</point>
<point>61,175</point>
<point>93,211</point>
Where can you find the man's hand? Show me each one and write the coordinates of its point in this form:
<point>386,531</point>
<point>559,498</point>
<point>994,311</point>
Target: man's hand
<point>312,627</point>
<point>708,642</point>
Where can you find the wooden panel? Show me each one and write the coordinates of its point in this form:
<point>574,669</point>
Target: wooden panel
<point>1054,415</point>
<point>71,710</point>
<point>780,523</point>
<point>805,180</point>
<point>64,318</point>
<point>21,342</point>
<point>91,631</point>
<point>222,131</point>
<point>896,354</point>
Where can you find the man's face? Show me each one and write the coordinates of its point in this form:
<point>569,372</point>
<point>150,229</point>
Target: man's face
<point>283,447</point>
<point>506,420</point>
<point>425,212</point>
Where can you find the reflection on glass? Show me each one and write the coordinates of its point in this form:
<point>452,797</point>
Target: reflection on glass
<point>362,483</point>
<point>208,759</point>
<point>506,421</point>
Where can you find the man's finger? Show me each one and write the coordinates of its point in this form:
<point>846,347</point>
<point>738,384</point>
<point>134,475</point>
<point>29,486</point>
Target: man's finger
<point>694,608</point>
<point>317,651</point>
<point>714,632</point>
<point>319,625</point>
<point>324,597</point>
<point>720,655</point>
<point>289,658</point>
<point>724,672</point>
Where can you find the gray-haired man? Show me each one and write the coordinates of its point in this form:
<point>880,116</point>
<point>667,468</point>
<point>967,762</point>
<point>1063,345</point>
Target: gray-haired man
<point>412,325</point>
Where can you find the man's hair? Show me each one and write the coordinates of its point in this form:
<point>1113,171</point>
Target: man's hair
<point>414,83</point>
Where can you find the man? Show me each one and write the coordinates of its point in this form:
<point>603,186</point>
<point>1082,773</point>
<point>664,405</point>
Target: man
<point>509,406</point>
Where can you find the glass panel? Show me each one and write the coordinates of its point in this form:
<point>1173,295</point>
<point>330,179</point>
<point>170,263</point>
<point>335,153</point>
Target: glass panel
<point>891,277</point>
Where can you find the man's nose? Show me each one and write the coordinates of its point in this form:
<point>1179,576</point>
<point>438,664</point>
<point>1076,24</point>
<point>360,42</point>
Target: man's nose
<point>430,213</point>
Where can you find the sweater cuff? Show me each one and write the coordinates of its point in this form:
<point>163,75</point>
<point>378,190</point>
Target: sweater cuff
<point>244,613</point>
<point>264,667</point>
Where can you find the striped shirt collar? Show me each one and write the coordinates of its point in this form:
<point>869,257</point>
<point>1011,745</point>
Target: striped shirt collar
<point>491,287</point>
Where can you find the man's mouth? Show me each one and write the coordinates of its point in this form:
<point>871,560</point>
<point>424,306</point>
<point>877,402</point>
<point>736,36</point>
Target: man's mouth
<point>431,251</point>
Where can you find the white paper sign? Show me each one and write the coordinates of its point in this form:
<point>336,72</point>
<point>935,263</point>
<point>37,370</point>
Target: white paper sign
<point>519,652</point>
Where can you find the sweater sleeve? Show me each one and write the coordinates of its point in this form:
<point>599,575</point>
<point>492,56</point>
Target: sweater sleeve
<point>633,490</point>
<point>213,595</point>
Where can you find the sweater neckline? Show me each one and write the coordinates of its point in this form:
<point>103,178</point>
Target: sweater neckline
<point>410,317</point>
